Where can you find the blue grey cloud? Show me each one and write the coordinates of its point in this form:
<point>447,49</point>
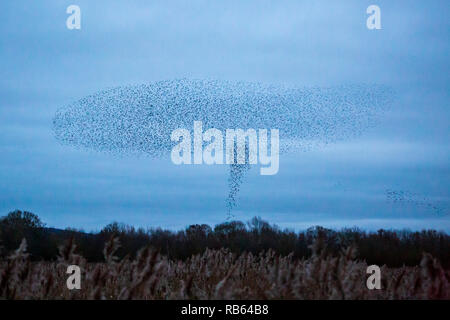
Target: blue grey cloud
<point>44,66</point>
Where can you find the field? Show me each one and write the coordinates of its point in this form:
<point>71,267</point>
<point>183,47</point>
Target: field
<point>217,274</point>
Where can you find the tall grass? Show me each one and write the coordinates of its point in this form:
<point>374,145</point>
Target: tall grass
<point>217,274</point>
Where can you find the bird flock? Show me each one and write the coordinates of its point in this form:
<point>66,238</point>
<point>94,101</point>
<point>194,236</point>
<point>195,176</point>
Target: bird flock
<point>404,197</point>
<point>140,118</point>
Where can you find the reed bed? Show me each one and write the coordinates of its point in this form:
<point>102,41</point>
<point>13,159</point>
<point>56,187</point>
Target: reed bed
<point>217,274</point>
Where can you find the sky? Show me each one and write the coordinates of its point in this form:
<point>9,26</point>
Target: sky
<point>45,66</point>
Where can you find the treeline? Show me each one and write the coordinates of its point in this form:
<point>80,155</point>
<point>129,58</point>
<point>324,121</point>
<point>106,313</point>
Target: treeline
<point>393,248</point>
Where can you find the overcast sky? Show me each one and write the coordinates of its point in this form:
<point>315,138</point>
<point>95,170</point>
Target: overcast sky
<point>44,66</point>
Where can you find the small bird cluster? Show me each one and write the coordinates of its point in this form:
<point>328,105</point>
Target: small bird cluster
<point>407,197</point>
